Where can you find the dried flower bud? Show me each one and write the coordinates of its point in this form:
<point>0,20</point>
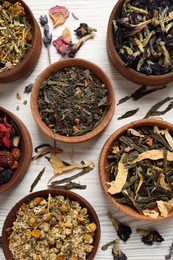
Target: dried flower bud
<point>149,237</point>
<point>43,20</point>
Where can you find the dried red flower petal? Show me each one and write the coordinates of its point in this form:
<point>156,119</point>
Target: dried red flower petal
<point>58,14</point>
<point>63,42</point>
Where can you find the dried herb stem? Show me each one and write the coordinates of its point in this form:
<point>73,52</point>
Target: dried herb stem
<point>169,256</point>
<point>69,186</point>
<point>105,247</point>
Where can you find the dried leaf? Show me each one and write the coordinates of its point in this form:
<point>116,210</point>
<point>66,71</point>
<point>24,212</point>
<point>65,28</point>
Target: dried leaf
<point>163,183</point>
<point>165,207</point>
<point>59,167</point>
<point>141,180</point>
<point>115,149</point>
<point>117,185</point>
<point>154,154</point>
<point>150,213</point>
<point>168,137</point>
<point>134,132</point>
<point>47,150</point>
<point>128,114</point>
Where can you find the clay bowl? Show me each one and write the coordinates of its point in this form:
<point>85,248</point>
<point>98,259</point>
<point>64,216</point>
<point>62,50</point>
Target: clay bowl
<point>104,170</point>
<point>25,66</point>
<point>99,73</point>
<point>118,63</point>
<point>11,217</point>
<point>25,147</point>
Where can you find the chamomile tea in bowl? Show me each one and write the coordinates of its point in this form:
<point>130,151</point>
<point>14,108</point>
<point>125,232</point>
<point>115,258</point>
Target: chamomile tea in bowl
<point>135,169</point>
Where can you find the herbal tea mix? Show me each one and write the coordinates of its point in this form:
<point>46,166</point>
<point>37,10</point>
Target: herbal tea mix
<point>143,35</point>
<point>140,170</point>
<point>15,34</point>
<point>9,150</point>
<point>55,227</point>
<point>72,101</point>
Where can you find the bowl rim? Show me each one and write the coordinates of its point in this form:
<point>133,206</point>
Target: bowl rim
<point>26,147</point>
<point>103,159</point>
<point>32,54</point>
<point>68,62</point>
<point>10,218</point>
<point>121,67</point>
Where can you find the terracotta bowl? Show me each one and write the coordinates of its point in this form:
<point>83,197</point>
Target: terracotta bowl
<point>104,170</point>
<point>31,58</point>
<point>25,147</point>
<point>118,63</point>
<point>58,66</point>
<point>11,217</point>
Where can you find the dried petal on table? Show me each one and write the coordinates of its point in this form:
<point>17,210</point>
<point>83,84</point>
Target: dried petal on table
<point>123,231</point>
<point>58,14</point>
<point>150,236</point>
<point>84,30</point>
<point>63,42</point>
<point>74,16</point>
<point>117,253</point>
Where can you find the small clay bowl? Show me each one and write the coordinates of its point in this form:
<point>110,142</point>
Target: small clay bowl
<point>11,217</point>
<point>118,63</point>
<point>104,171</point>
<point>25,66</point>
<point>25,147</point>
<point>99,73</point>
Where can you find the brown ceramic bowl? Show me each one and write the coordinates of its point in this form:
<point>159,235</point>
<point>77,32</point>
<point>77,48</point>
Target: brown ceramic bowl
<point>103,165</point>
<point>118,63</point>
<point>31,58</point>
<point>25,147</point>
<point>58,66</point>
<point>44,193</point>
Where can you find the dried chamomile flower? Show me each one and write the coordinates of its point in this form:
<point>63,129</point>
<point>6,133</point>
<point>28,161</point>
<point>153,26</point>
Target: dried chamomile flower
<point>58,14</point>
<point>122,230</point>
<point>150,236</point>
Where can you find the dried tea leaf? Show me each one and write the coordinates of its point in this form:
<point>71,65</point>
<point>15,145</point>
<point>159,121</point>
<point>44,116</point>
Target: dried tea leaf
<point>115,149</point>
<point>128,114</point>
<point>18,96</point>
<point>59,167</point>
<point>163,183</point>
<point>141,180</point>
<point>134,132</point>
<point>117,185</point>
<point>150,213</point>
<point>45,151</point>
<point>154,154</point>
<point>168,137</point>
<point>165,207</point>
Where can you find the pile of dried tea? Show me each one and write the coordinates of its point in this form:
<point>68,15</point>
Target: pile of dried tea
<point>15,34</point>
<point>140,170</point>
<point>72,101</point>
<point>52,228</point>
<point>9,150</point>
<point>143,35</point>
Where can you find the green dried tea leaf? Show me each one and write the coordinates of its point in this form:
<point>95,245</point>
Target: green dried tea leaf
<point>128,114</point>
<point>135,132</point>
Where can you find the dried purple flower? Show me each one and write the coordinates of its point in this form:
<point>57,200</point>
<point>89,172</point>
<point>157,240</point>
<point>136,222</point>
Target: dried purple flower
<point>84,30</point>
<point>149,237</point>
<point>47,38</point>
<point>43,20</point>
<point>28,88</point>
<point>116,251</point>
<point>122,230</point>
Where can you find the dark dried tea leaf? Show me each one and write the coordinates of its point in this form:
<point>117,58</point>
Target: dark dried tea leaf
<point>128,114</point>
<point>72,101</point>
<point>153,110</point>
<point>37,179</point>
<point>169,256</point>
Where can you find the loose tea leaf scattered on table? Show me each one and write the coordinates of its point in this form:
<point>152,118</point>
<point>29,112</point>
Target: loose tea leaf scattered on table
<point>150,236</point>
<point>169,256</point>
<point>105,247</point>
<point>140,93</point>
<point>128,114</point>
<point>15,34</point>
<point>123,231</point>
<point>143,36</point>
<point>140,171</point>
<point>37,179</point>
<point>70,185</point>
<point>72,101</point>
<point>154,109</point>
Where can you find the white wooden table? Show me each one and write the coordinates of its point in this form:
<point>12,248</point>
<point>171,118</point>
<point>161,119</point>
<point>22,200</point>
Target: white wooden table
<point>96,14</point>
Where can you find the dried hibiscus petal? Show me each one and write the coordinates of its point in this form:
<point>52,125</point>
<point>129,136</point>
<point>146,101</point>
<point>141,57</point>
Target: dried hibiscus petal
<point>63,42</point>
<point>58,14</point>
